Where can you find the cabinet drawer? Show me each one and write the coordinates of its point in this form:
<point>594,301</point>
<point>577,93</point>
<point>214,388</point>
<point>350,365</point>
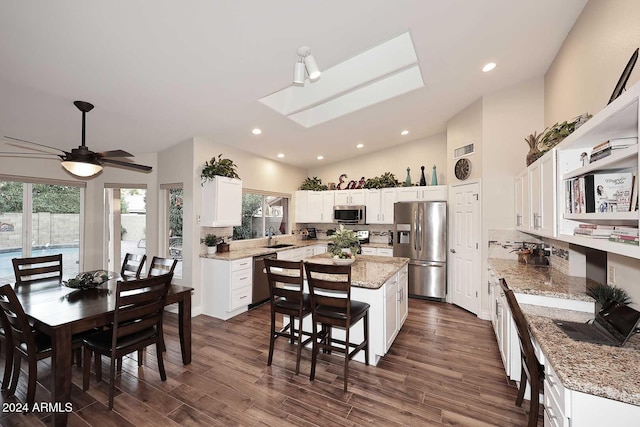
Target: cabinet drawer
<point>240,297</point>
<point>240,279</point>
<point>368,251</point>
<point>553,413</point>
<point>554,389</point>
<point>385,252</point>
<point>240,264</point>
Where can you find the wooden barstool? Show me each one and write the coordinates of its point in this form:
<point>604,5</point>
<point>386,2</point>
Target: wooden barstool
<point>532,370</point>
<point>331,305</point>
<point>286,284</point>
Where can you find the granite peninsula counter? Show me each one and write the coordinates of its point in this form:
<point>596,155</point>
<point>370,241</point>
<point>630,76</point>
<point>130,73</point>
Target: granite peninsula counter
<point>601,383</point>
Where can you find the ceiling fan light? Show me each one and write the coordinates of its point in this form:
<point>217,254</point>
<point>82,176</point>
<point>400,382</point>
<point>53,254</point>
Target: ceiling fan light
<point>81,169</point>
<point>312,67</point>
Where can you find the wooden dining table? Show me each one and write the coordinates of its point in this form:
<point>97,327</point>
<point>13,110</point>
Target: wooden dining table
<point>61,312</point>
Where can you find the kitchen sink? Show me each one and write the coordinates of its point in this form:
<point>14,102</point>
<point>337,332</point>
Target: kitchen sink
<point>279,245</point>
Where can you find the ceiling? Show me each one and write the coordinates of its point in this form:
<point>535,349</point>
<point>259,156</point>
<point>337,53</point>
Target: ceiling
<point>160,72</point>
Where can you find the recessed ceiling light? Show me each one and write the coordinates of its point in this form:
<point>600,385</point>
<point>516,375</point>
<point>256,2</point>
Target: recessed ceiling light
<point>320,157</point>
<point>404,132</point>
<point>490,66</point>
<point>280,155</point>
<point>256,131</point>
<point>359,145</point>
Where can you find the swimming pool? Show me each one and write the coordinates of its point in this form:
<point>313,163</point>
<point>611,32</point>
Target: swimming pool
<point>70,257</point>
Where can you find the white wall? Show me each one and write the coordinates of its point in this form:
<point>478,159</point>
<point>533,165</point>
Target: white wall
<point>462,129</point>
<point>591,59</point>
<point>422,152</point>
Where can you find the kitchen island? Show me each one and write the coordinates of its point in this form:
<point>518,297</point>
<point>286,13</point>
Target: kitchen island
<point>382,282</point>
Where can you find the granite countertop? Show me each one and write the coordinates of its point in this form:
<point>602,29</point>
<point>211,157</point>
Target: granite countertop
<point>600,370</point>
<point>249,252</point>
<point>527,279</point>
<point>368,271</point>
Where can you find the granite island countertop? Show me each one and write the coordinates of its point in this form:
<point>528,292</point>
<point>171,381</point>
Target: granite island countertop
<point>368,271</point>
<point>527,279</point>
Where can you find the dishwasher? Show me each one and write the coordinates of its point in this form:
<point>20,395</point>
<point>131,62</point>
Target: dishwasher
<point>260,282</point>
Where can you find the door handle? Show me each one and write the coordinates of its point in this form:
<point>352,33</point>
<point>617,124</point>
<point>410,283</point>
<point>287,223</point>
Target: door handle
<point>453,251</point>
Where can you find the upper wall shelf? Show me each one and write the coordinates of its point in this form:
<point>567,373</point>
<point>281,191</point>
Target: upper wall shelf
<point>627,158</point>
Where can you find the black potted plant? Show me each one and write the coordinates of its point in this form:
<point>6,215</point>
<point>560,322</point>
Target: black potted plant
<point>603,293</point>
<point>218,166</point>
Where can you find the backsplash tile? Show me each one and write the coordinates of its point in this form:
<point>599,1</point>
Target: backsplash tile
<point>504,243</point>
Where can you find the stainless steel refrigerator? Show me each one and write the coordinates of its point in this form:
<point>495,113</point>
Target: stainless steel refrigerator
<point>420,234</point>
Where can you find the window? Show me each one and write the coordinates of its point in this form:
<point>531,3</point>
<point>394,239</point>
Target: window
<point>262,214</point>
<point>173,196</point>
<point>37,219</point>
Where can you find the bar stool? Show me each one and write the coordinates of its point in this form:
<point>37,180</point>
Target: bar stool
<point>289,300</point>
<point>331,305</point>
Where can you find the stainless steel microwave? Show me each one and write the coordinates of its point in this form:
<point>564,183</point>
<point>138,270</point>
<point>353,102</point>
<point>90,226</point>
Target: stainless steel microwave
<point>349,214</point>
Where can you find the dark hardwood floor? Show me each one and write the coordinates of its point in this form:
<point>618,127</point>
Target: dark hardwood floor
<point>443,369</point>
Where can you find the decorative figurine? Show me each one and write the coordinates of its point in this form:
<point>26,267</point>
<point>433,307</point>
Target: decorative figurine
<point>407,181</point>
<point>361,183</point>
<point>584,158</point>
<point>434,177</point>
<point>341,181</point>
<point>423,180</point>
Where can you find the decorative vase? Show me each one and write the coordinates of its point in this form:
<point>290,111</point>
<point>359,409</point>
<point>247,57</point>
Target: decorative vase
<point>407,181</point>
<point>533,155</point>
<point>434,176</point>
<point>423,180</point>
<point>211,250</point>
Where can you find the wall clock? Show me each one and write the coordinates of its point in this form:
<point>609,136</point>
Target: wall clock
<point>462,169</point>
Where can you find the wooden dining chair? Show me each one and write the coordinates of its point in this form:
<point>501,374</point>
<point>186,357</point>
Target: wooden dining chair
<point>286,286</point>
<point>132,265</point>
<point>25,342</point>
<point>331,305</point>
<point>37,269</point>
<point>137,324</point>
<point>532,371</point>
<point>7,341</point>
<point>160,266</point>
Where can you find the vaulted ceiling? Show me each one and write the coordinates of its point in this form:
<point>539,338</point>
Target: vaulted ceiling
<point>161,71</point>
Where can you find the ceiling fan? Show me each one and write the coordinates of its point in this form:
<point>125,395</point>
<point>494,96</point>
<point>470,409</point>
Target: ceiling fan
<point>81,161</point>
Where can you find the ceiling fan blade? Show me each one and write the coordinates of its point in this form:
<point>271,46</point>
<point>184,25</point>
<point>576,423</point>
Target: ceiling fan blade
<point>127,164</point>
<point>19,154</point>
<point>115,153</point>
<point>34,143</point>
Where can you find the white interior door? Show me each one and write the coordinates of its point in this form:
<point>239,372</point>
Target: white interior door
<point>464,247</point>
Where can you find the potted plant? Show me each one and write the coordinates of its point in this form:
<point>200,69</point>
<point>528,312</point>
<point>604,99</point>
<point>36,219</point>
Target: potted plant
<point>603,293</point>
<point>314,184</point>
<point>218,166</point>
<point>211,242</point>
<point>386,180</point>
<point>344,241</point>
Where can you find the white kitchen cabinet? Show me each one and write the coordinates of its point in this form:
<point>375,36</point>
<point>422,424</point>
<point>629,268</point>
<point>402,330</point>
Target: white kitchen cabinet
<point>403,295</point>
<point>379,204</point>
<point>369,251</point>
<point>314,206</point>
<point>319,249</point>
<point>391,312</point>
<point>349,197</point>
<point>543,195</point>
<point>296,254</point>
<point>522,200</point>
<point>430,193</point>
<point>226,287</point>
<point>221,202</point>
